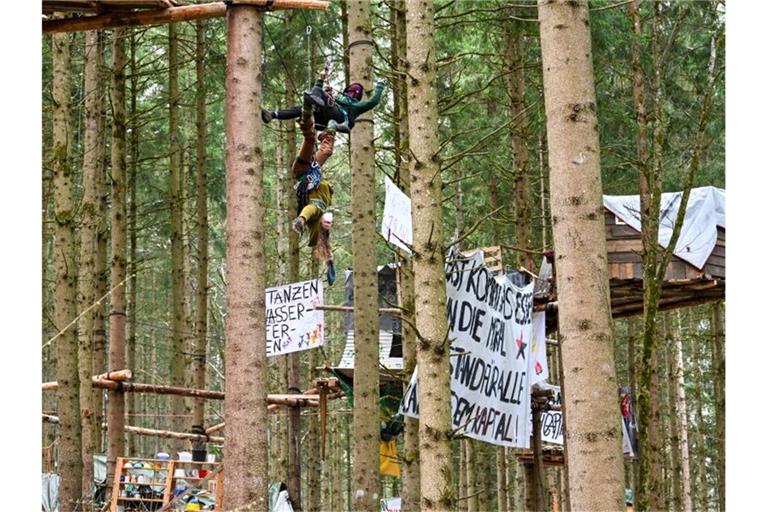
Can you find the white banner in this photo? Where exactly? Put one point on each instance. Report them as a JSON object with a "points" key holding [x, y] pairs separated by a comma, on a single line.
{"points": [[552, 421], [293, 323], [489, 323], [538, 369], [396, 220]]}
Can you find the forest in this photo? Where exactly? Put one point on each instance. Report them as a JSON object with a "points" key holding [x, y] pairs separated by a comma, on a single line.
{"points": [[479, 284]]}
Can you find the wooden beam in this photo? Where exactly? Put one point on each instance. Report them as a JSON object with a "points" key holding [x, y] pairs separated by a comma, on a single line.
{"points": [[134, 18], [117, 375], [215, 428], [152, 432], [287, 400], [164, 16], [173, 435], [350, 309], [121, 375]]}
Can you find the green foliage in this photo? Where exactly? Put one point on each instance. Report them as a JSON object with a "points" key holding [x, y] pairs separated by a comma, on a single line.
{"points": [[474, 129]]}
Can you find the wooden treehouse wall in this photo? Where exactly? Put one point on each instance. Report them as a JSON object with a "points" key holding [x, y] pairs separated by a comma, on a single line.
{"points": [[625, 261]]}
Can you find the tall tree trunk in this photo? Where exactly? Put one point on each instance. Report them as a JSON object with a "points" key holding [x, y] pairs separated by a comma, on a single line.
{"points": [[501, 479], [88, 249], [201, 186], [366, 292], [410, 493], [470, 448], [65, 273], [245, 406], [130, 399], [312, 462], [176, 206], [594, 458], [99, 327], [428, 262], [674, 468], [681, 409], [278, 426], [462, 504], [458, 199], [649, 491], [718, 365], [515, 78], [116, 399], [638, 94], [515, 52], [702, 484], [294, 362], [565, 484]]}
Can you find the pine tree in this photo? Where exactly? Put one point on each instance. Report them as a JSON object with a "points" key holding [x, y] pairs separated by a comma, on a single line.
{"points": [[245, 407], [88, 248], [201, 187], [410, 465], [176, 206], [117, 276], [366, 387], [65, 275], [428, 261], [594, 458]]}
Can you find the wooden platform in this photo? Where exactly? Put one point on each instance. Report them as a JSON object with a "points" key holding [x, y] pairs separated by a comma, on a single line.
{"points": [[684, 285], [550, 456], [104, 6]]}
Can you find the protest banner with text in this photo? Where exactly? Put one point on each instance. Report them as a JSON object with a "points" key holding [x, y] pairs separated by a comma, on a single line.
{"points": [[490, 327], [293, 323]]}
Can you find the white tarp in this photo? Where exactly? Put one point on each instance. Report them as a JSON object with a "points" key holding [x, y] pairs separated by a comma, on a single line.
{"points": [[50, 492], [490, 327], [293, 323], [538, 368], [396, 225], [705, 211], [391, 504], [385, 348]]}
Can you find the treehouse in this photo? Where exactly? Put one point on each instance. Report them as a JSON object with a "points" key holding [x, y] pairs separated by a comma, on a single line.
{"points": [[695, 274], [696, 270], [390, 341]]}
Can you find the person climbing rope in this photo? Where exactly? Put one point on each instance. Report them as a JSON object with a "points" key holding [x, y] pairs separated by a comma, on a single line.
{"points": [[338, 112], [314, 194]]}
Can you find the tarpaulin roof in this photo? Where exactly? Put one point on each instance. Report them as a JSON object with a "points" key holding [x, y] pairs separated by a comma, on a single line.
{"points": [[704, 213]]}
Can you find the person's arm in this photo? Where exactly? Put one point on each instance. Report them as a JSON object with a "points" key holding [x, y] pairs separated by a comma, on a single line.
{"points": [[362, 105]]}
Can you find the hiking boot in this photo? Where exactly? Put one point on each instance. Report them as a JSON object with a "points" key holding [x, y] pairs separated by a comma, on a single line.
{"points": [[298, 225], [332, 126], [266, 116], [314, 96]]}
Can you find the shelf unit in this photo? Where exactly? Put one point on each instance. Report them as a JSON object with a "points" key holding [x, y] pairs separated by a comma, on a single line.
{"points": [[163, 473]]}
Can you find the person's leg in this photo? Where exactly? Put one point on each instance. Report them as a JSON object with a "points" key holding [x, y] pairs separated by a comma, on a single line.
{"points": [[327, 139], [306, 217], [311, 213], [304, 159], [315, 97], [286, 113]]}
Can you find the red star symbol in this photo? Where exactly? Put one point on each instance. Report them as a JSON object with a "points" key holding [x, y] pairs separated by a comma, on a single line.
{"points": [[521, 346]]}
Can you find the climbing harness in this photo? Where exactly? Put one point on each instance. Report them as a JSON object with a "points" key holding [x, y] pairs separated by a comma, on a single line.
{"points": [[306, 182]]}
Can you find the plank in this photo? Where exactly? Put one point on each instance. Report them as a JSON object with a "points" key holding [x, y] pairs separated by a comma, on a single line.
{"points": [[628, 245]]}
